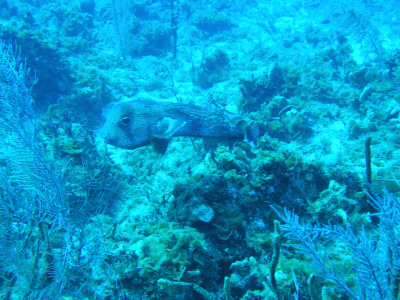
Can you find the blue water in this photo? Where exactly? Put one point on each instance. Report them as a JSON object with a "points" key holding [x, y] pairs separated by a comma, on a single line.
{"points": [[295, 196]]}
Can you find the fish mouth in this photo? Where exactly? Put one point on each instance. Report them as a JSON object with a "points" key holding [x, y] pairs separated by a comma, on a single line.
{"points": [[114, 142], [106, 138], [109, 141]]}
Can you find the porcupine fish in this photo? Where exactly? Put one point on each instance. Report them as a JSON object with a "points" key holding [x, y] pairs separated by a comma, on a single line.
{"points": [[133, 124]]}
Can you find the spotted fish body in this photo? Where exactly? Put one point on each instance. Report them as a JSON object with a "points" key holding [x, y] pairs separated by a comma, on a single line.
{"points": [[134, 124]]}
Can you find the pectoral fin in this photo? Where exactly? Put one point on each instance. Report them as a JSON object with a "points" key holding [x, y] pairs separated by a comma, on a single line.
{"points": [[167, 127], [163, 132]]}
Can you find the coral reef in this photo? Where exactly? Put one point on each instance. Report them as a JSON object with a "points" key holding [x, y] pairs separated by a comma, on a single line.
{"points": [[85, 220]]}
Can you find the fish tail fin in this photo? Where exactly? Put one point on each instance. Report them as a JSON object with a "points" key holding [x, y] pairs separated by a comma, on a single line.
{"points": [[251, 132]]}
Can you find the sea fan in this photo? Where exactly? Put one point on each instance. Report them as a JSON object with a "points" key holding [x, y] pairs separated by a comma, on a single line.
{"points": [[32, 200], [375, 255], [117, 24], [44, 211]]}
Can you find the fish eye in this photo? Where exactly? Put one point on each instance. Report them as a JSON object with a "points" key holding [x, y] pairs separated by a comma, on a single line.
{"points": [[125, 121]]}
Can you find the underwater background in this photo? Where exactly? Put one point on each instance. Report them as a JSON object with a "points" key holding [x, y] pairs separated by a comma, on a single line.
{"points": [[311, 211]]}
